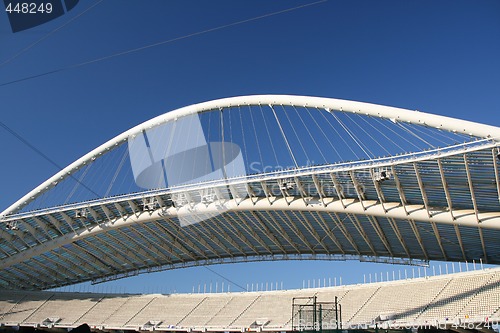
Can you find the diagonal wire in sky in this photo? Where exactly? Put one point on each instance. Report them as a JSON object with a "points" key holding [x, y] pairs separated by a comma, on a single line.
{"points": [[85, 63], [45, 157], [225, 278], [27, 48], [58, 166]]}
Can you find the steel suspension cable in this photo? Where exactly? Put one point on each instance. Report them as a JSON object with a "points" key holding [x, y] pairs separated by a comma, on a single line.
{"points": [[256, 137], [310, 135], [353, 137], [340, 136], [380, 132], [75, 187], [117, 172], [269, 135], [284, 136], [323, 132], [420, 129], [399, 135], [243, 134], [370, 136], [296, 135], [137, 49], [414, 134]]}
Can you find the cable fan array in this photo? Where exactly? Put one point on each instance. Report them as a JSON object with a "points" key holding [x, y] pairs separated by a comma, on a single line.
{"points": [[238, 142]]}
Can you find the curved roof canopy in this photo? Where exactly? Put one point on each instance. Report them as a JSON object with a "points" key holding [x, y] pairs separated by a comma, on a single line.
{"points": [[256, 178]]}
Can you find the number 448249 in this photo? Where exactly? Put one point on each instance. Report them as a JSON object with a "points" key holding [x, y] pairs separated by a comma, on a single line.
{"points": [[29, 8]]}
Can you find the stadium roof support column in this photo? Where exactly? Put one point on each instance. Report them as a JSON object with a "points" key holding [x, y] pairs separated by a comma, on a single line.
{"points": [[422, 189], [336, 219], [397, 232], [380, 233], [338, 188], [483, 245], [355, 221], [322, 223], [496, 152], [307, 224], [438, 238], [178, 240], [418, 237], [242, 222], [401, 193], [460, 242], [268, 232], [445, 187], [380, 194]]}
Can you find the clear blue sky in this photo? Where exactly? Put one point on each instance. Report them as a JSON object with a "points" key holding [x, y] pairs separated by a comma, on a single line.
{"points": [[441, 57]]}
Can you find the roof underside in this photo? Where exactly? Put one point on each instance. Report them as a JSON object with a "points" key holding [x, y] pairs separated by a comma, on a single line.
{"points": [[127, 235]]}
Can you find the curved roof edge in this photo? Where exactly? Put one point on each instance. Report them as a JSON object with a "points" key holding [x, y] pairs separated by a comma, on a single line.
{"points": [[393, 113]]}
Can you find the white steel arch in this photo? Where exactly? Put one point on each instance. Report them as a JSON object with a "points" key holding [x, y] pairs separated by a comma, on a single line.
{"points": [[396, 114], [437, 204]]}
